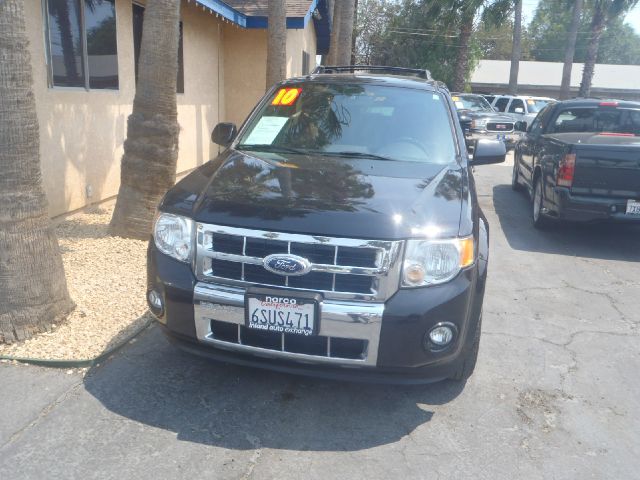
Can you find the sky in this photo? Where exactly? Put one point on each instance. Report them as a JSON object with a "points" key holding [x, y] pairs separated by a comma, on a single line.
{"points": [[633, 18]]}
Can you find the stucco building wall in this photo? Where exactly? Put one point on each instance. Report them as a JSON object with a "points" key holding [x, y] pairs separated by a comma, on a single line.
{"points": [[82, 132], [245, 72]]}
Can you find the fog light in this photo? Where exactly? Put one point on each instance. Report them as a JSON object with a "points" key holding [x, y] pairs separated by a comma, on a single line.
{"points": [[155, 303], [442, 334]]}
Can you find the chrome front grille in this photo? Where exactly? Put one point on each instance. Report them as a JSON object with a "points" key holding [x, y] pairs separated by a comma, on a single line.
{"points": [[500, 127], [341, 268]]}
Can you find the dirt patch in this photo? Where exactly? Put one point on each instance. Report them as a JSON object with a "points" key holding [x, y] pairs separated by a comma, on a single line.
{"points": [[106, 277], [538, 408]]}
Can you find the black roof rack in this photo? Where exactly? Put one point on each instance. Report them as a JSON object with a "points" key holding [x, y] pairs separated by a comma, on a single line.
{"points": [[415, 72]]}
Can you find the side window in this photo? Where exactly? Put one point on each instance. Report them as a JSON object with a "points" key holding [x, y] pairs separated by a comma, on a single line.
{"points": [[574, 120], [540, 122], [138, 17], [72, 25], [501, 104], [516, 103]]}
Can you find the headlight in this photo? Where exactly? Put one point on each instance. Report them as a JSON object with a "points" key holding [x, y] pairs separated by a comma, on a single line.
{"points": [[173, 235], [430, 262], [479, 124]]}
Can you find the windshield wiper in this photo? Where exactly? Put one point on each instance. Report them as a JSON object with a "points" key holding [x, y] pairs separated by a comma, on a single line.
{"points": [[259, 147], [358, 155]]}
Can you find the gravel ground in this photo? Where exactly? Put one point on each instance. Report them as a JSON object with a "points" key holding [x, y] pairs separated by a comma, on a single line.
{"points": [[106, 277]]}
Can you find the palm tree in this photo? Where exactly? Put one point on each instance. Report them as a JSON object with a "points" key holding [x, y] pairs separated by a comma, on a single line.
{"points": [[516, 50], [603, 12], [151, 149], [467, 16], [570, 49], [334, 8], [461, 15], [345, 32], [277, 42], [33, 290]]}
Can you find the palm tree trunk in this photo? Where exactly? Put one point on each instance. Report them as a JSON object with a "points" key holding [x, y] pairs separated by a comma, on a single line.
{"points": [[462, 62], [516, 50], [597, 26], [347, 17], [151, 150], [335, 33], [277, 42], [353, 37], [570, 51], [33, 289]]}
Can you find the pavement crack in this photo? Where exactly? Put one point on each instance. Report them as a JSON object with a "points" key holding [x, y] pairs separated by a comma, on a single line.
{"points": [[43, 414], [257, 453]]}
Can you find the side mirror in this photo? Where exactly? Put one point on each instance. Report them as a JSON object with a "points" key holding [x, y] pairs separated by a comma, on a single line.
{"points": [[519, 110], [223, 134], [520, 126], [488, 151]]}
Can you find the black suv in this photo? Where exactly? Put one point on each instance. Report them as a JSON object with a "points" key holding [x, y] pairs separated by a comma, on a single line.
{"points": [[337, 235]]}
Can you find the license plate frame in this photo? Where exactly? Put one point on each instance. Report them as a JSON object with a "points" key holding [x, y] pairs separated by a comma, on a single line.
{"points": [[633, 207], [274, 322]]}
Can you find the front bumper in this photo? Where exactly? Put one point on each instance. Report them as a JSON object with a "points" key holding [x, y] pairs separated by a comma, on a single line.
{"points": [[586, 208], [393, 331]]}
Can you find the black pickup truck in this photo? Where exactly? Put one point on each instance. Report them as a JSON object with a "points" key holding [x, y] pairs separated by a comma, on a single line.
{"points": [[338, 234], [580, 161]]}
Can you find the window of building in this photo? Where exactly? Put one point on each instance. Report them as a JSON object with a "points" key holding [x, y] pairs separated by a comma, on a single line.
{"points": [[138, 17], [83, 50], [516, 103], [306, 62]]}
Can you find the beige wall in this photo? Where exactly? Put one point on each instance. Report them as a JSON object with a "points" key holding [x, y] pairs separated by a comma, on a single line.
{"points": [[245, 72], [297, 42], [82, 133]]}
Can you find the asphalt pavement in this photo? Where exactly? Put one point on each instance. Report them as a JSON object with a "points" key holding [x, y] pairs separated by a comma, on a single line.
{"points": [[555, 394]]}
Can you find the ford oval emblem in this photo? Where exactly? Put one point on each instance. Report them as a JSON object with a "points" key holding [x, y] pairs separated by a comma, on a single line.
{"points": [[284, 264]]}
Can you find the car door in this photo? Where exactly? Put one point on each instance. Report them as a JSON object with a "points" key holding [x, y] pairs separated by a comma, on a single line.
{"points": [[529, 146]]}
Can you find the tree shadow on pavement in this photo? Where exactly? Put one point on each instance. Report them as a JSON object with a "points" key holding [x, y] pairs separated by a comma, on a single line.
{"points": [[606, 241], [233, 407]]}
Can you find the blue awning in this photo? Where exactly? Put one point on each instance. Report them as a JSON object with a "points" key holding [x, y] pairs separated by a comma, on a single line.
{"points": [[318, 11]]}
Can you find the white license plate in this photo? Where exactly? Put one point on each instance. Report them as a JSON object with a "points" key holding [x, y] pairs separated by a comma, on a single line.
{"points": [[281, 314], [633, 207]]}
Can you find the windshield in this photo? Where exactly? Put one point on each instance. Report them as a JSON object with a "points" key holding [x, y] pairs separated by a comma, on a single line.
{"points": [[353, 120], [536, 104], [472, 102], [624, 121]]}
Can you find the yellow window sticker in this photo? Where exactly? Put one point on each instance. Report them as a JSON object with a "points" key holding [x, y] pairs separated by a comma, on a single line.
{"points": [[286, 96]]}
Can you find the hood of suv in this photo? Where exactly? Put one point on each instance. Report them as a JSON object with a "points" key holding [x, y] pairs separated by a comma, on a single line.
{"points": [[322, 195]]}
